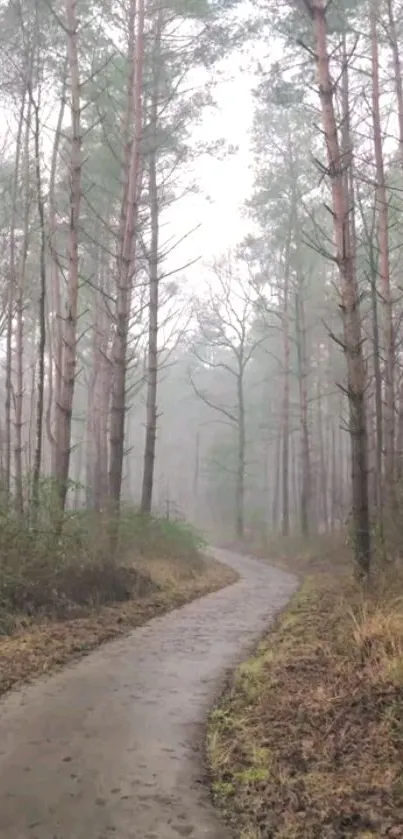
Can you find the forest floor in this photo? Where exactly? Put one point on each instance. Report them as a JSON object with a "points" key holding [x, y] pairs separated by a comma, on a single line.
{"points": [[307, 740], [39, 645], [114, 745]]}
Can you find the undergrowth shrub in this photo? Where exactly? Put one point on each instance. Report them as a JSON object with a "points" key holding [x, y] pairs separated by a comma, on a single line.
{"points": [[48, 571]]}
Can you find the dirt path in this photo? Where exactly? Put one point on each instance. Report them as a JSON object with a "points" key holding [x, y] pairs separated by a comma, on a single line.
{"points": [[111, 746]]}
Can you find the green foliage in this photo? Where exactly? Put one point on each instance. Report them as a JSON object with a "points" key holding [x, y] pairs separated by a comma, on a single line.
{"points": [[152, 537], [47, 572]]}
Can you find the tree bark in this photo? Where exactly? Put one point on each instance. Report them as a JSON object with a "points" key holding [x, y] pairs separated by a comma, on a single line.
{"points": [[11, 302], [41, 313], [153, 262], [383, 239], [240, 472], [303, 401], [56, 332], [64, 407], [126, 269], [19, 337], [398, 72], [350, 303], [286, 399]]}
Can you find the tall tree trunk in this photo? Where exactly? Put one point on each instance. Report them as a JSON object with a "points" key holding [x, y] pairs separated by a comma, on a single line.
{"points": [[240, 473], [323, 478], [334, 494], [126, 268], [303, 401], [286, 400], [394, 42], [56, 331], [345, 255], [276, 488], [378, 383], [41, 311], [383, 239], [19, 337], [153, 262], [64, 407], [11, 300]]}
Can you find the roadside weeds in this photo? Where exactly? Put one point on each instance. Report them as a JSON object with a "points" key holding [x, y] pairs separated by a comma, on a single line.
{"points": [[37, 647], [307, 740]]}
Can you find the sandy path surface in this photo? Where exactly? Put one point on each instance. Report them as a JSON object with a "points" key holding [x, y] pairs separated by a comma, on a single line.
{"points": [[112, 746]]}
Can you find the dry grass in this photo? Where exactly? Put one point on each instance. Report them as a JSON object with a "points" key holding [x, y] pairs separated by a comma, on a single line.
{"points": [[37, 647], [314, 554], [307, 742]]}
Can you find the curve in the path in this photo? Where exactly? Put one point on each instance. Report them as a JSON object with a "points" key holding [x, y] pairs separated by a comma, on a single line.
{"points": [[111, 746]]}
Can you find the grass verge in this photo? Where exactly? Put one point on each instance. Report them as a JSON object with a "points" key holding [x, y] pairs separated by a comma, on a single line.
{"points": [[307, 741], [62, 595], [37, 647]]}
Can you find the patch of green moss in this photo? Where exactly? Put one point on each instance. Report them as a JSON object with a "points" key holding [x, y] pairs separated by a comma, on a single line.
{"points": [[223, 789], [252, 775]]}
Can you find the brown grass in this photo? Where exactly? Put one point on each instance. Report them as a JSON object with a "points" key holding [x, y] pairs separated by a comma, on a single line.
{"points": [[307, 742], [314, 554], [37, 647]]}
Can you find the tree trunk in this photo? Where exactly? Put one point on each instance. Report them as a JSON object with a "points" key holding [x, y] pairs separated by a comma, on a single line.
{"points": [[64, 407], [240, 473], [11, 302], [286, 402], [19, 338], [323, 479], [153, 262], [303, 401], [350, 302], [276, 488], [378, 384], [383, 239], [126, 269], [41, 313], [398, 72], [56, 332]]}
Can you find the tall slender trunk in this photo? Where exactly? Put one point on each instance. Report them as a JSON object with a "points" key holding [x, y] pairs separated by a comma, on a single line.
{"points": [[240, 472], [41, 312], [153, 261], [126, 269], [11, 301], [323, 477], [64, 407], [286, 400], [276, 488], [32, 391], [345, 255], [383, 240], [334, 494], [399, 444], [373, 268], [19, 337], [296, 480], [56, 331], [394, 42], [303, 402]]}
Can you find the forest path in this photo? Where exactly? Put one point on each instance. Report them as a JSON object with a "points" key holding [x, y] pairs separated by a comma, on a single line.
{"points": [[112, 746]]}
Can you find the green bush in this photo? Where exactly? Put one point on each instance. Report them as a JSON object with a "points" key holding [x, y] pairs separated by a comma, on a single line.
{"points": [[150, 537], [51, 571]]}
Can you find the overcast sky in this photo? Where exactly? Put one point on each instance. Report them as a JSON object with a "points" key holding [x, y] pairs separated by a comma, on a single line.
{"points": [[224, 183]]}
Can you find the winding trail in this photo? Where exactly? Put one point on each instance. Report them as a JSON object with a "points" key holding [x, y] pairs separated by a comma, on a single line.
{"points": [[112, 746]]}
